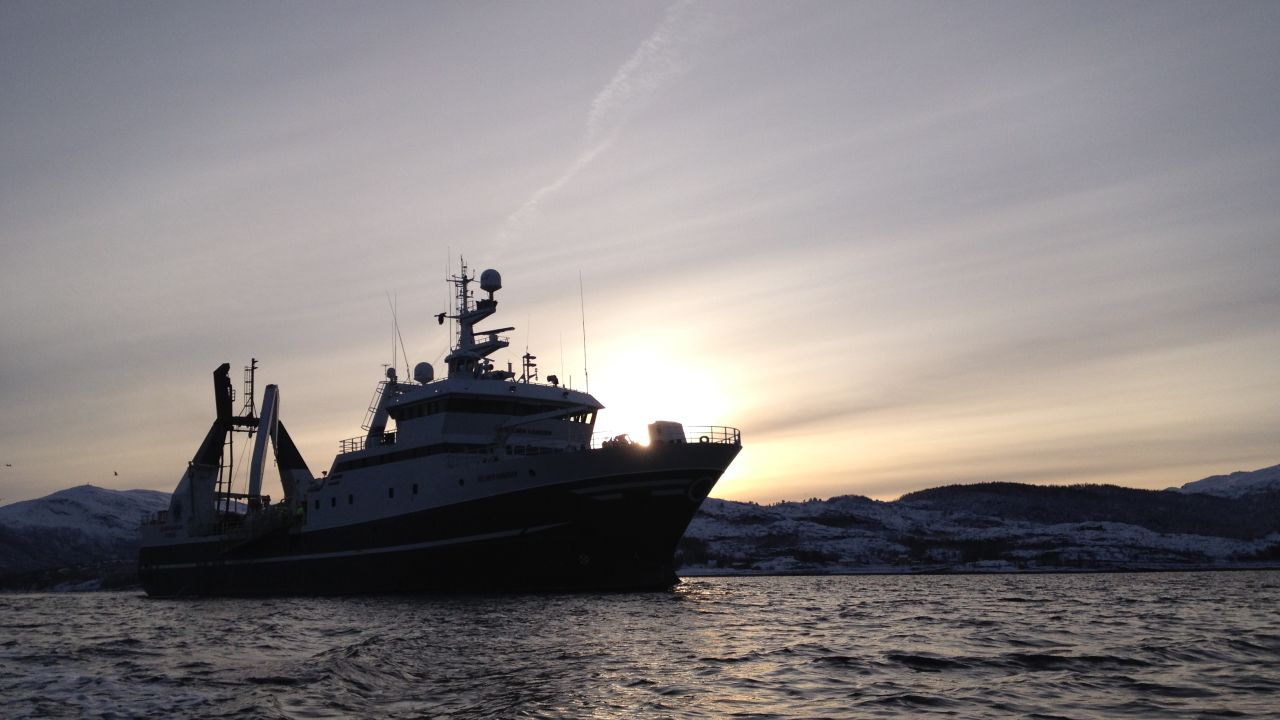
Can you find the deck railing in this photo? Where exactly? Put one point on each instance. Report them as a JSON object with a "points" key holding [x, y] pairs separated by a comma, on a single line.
{"points": [[699, 434], [360, 442], [716, 434]]}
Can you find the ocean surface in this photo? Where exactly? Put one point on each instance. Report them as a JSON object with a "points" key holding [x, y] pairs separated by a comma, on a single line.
{"points": [[1166, 645]]}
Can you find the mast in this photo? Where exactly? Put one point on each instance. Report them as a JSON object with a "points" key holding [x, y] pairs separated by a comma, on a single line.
{"points": [[469, 356]]}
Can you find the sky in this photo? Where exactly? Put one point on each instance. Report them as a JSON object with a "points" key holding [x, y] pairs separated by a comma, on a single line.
{"points": [[898, 244]]}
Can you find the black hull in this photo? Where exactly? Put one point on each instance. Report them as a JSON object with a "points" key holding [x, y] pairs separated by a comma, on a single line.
{"points": [[612, 534]]}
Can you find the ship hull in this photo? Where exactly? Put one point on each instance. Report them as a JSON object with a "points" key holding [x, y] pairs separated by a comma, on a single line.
{"points": [[610, 532]]}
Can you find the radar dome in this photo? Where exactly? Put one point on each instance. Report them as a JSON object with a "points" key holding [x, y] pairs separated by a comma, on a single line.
{"points": [[424, 373], [490, 281]]}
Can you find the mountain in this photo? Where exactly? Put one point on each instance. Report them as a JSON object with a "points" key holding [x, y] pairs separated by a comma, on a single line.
{"points": [[1237, 484], [82, 534], [988, 527]]}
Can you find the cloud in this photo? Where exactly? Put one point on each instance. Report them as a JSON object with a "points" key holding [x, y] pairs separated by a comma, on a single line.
{"points": [[658, 61]]}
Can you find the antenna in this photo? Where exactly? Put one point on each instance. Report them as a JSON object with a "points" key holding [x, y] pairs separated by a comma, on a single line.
{"points": [[582, 307], [448, 295], [403, 353], [393, 332], [395, 321]]}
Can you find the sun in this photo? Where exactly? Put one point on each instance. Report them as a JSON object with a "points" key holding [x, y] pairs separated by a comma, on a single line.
{"points": [[638, 385]]}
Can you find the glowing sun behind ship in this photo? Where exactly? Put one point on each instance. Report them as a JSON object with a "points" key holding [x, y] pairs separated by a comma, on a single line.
{"points": [[644, 380]]}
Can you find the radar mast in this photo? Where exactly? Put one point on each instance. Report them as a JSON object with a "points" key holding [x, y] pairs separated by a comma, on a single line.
{"points": [[470, 356]]}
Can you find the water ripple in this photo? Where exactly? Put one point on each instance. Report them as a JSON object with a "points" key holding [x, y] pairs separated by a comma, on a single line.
{"points": [[1044, 646]]}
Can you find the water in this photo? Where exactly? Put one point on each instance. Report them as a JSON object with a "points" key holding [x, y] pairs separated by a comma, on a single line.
{"points": [[1073, 646]]}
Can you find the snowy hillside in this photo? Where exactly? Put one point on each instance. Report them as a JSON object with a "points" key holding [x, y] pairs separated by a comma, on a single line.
{"points": [[90, 509], [80, 526], [997, 526], [1237, 484]]}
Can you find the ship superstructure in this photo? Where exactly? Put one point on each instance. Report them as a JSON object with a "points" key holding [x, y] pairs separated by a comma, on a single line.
{"points": [[484, 479]]}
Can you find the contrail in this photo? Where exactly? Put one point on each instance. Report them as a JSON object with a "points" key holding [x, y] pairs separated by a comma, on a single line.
{"points": [[655, 63]]}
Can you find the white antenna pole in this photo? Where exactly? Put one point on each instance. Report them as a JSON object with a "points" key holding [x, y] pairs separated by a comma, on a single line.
{"points": [[582, 307]]}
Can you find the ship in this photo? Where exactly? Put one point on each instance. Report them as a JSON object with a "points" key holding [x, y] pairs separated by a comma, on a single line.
{"points": [[483, 480]]}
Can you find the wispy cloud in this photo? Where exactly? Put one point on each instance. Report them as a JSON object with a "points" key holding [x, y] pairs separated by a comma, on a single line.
{"points": [[661, 58]]}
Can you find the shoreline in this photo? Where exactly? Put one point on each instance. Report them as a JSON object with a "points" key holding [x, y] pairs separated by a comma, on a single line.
{"points": [[92, 585], [951, 570]]}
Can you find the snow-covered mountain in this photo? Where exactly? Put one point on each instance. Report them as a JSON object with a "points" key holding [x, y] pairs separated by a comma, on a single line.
{"points": [[991, 526], [1237, 484], [88, 508], [82, 526]]}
